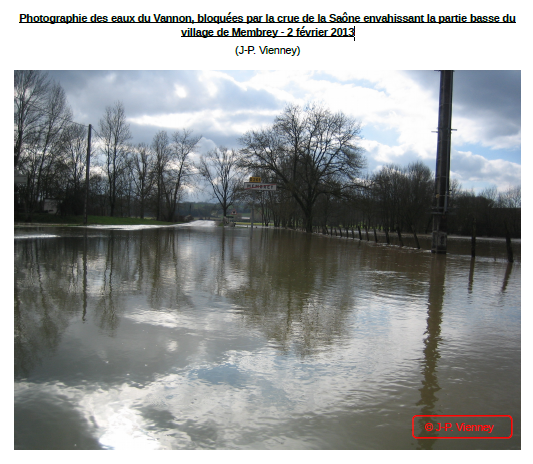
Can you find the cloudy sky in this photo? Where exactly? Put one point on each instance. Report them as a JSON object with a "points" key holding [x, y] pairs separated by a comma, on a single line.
{"points": [[398, 111]]}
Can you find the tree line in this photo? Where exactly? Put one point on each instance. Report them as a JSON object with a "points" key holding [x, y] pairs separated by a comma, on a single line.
{"points": [[125, 179], [312, 154]]}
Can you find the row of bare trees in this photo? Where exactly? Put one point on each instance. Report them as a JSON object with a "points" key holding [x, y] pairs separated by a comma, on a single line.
{"points": [[312, 154], [51, 151], [160, 172], [314, 157], [490, 212], [392, 198], [399, 199]]}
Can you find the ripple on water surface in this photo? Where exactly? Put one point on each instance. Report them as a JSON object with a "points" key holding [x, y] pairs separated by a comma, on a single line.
{"points": [[190, 338]]}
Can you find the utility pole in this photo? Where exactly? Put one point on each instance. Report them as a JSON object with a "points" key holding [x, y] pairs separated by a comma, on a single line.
{"points": [[442, 172], [87, 167]]}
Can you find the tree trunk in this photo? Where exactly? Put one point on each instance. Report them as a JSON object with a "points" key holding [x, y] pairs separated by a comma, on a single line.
{"points": [[473, 245], [309, 222], [416, 239], [399, 236], [508, 243]]}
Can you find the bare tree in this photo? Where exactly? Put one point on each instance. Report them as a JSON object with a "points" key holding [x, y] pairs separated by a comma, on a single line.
{"points": [[162, 155], [42, 156], [115, 132], [401, 196], [143, 174], [31, 91], [179, 169], [511, 198], [310, 152], [419, 194], [73, 164], [509, 204], [219, 167]]}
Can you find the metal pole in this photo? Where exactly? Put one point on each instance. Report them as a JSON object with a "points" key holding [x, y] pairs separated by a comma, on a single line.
{"points": [[442, 172], [252, 216], [87, 167]]}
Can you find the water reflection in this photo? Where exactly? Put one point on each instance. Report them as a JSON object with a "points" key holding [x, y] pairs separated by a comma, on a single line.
{"points": [[188, 339], [84, 314], [508, 270], [294, 301], [471, 275], [42, 310]]}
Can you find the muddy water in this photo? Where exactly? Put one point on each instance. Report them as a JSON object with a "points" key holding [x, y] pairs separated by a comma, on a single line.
{"points": [[200, 338]]}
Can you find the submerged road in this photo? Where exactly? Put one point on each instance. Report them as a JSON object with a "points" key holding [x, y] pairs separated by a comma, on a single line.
{"points": [[198, 224]]}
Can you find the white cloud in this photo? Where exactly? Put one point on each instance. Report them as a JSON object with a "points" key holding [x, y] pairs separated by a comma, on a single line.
{"points": [[469, 167], [476, 131], [180, 91], [217, 120], [398, 110], [382, 153]]}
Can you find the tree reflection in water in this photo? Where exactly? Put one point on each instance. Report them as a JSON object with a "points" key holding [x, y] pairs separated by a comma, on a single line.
{"points": [[187, 337]]}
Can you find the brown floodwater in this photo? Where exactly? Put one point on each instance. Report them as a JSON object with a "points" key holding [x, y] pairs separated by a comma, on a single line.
{"points": [[202, 338]]}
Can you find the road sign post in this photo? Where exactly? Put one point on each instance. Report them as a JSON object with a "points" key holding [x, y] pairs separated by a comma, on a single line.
{"points": [[252, 217], [256, 184]]}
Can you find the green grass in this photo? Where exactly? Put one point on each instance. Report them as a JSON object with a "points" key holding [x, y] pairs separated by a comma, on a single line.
{"points": [[92, 220]]}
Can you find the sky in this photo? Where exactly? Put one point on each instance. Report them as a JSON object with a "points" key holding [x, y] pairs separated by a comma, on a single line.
{"points": [[398, 110]]}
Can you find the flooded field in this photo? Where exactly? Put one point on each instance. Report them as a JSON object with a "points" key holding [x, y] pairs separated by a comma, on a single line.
{"points": [[202, 338]]}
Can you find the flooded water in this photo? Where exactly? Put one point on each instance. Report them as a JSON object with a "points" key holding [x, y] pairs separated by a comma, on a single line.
{"points": [[202, 338]]}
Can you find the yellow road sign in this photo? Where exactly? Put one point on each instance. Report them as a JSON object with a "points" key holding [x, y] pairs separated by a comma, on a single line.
{"points": [[255, 179]]}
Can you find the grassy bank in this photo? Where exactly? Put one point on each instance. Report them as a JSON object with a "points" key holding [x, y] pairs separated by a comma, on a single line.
{"points": [[52, 219]]}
